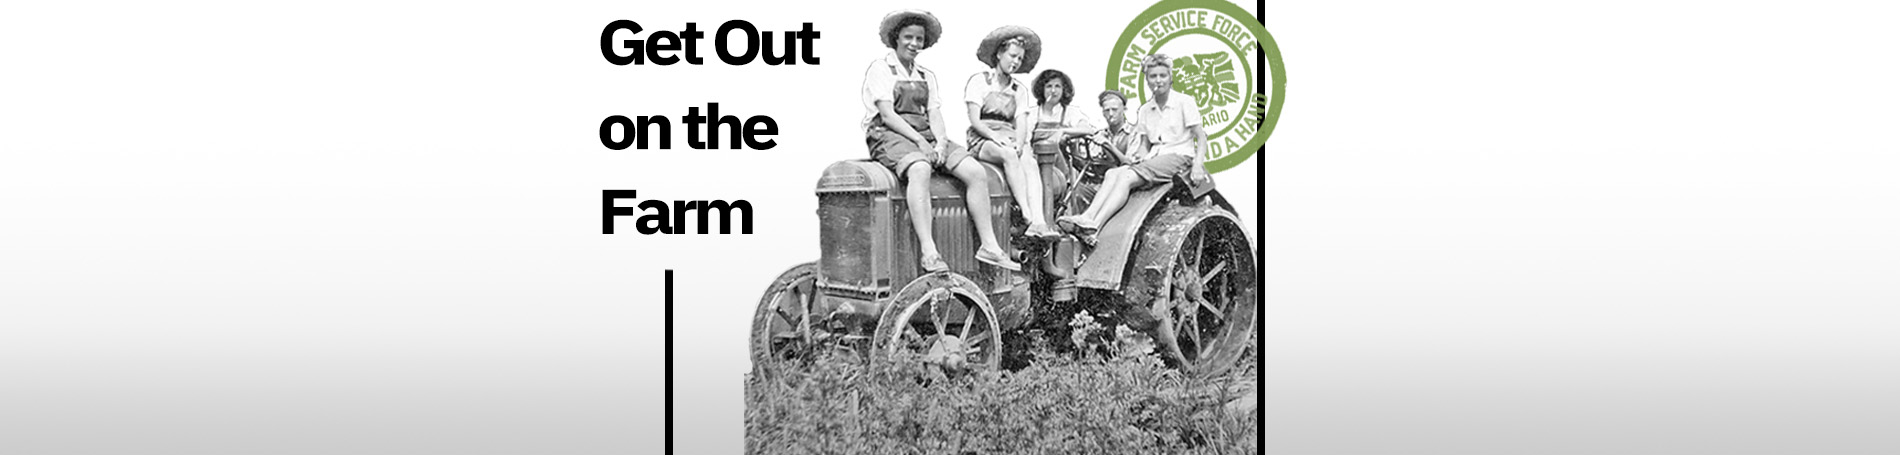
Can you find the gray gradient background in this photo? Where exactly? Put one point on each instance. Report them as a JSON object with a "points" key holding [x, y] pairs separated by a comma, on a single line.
{"points": [[1491, 227]]}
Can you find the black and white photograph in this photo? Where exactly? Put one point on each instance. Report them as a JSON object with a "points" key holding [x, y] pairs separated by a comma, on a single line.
{"points": [[1055, 286]]}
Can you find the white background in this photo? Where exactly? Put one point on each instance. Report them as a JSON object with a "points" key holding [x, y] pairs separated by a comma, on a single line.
{"points": [[1492, 227]]}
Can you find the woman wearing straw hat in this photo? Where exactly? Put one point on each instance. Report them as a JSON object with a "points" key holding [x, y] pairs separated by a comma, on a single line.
{"points": [[997, 105], [904, 128]]}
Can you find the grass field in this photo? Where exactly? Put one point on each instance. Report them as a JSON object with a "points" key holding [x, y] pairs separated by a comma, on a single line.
{"points": [[1058, 404]]}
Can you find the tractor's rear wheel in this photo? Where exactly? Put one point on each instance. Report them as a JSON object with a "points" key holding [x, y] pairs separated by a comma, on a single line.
{"points": [[1201, 287]]}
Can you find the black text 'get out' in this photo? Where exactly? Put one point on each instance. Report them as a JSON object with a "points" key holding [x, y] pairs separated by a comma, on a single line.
{"points": [[737, 42]]}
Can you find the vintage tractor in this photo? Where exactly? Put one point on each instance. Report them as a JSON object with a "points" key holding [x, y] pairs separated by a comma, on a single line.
{"points": [[1173, 262]]}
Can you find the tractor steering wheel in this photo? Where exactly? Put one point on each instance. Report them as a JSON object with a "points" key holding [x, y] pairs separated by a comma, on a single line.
{"points": [[1089, 157]]}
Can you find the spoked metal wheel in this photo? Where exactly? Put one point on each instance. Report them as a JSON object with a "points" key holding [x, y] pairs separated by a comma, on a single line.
{"points": [[1202, 278], [783, 326], [945, 319]]}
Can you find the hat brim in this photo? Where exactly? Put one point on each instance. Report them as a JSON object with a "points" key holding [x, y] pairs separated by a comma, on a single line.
{"points": [[933, 28], [1032, 46]]}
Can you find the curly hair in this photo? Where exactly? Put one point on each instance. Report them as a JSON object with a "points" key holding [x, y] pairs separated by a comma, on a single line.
{"points": [[906, 22], [1068, 87]]}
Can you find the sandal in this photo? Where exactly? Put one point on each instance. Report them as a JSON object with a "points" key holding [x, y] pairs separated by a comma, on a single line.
{"points": [[934, 263], [998, 259]]}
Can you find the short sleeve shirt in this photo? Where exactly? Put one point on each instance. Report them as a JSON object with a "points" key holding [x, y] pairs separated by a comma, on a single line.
{"points": [[982, 84], [1071, 117], [880, 84], [1123, 138], [1167, 126]]}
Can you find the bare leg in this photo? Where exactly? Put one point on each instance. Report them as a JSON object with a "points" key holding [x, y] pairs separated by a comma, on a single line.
{"points": [[1053, 181], [1114, 193], [1109, 180], [1013, 172], [976, 193], [917, 193], [1032, 190]]}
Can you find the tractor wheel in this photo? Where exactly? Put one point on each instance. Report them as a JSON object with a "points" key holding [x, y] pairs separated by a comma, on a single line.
{"points": [[1200, 284], [783, 327], [945, 319]]}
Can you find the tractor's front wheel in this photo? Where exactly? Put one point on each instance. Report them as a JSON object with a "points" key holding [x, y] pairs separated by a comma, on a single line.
{"points": [[946, 320]]}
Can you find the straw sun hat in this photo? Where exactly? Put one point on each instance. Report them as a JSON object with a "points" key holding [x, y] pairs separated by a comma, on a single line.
{"points": [[1032, 46], [887, 30]]}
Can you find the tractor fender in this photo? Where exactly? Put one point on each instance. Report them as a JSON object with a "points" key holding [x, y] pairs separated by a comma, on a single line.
{"points": [[1111, 263]]}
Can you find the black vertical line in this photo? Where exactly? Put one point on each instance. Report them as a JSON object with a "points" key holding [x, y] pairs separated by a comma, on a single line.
{"points": [[669, 361], [1260, 231]]}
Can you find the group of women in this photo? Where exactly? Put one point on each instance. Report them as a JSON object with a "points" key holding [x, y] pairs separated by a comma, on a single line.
{"points": [[1016, 127]]}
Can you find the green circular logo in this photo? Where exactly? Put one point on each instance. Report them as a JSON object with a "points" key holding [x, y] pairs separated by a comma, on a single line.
{"points": [[1212, 44]]}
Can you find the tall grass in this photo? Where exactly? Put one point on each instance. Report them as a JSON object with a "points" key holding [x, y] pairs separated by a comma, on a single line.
{"points": [[1059, 404]]}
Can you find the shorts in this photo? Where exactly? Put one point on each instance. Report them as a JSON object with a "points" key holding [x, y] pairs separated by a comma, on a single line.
{"points": [[1161, 168], [999, 127], [898, 153]]}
